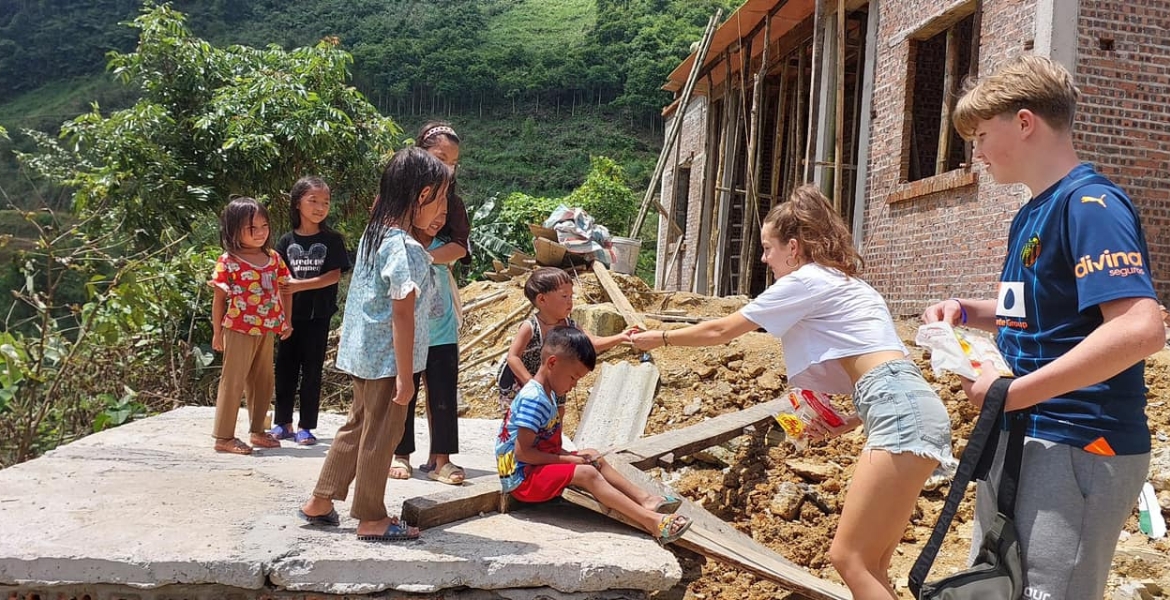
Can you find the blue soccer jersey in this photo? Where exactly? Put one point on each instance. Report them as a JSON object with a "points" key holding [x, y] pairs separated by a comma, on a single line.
{"points": [[1076, 245]]}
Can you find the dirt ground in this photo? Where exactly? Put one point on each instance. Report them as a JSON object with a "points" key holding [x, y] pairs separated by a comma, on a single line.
{"points": [[698, 383]]}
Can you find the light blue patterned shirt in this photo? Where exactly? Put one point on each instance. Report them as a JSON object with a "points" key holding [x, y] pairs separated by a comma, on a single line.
{"points": [[400, 266]]}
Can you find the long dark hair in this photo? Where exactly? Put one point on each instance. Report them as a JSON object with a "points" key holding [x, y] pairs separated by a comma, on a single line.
{"points": [[303, 186], [237, 215], [428, 136], [409, 172], [808, 218]]}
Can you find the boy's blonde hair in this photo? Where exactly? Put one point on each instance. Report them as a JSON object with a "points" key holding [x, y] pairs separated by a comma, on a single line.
{"points": [[1038, 84]]}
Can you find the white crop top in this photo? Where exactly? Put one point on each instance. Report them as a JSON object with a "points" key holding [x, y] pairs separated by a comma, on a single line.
{"points": [[820, 315]]}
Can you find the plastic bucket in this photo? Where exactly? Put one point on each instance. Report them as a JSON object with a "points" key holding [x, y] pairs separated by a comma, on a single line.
{"points": [[626, 255]]}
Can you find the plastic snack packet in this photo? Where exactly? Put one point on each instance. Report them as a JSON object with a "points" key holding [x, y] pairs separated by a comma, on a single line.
{"points": [[960, 351], [805, 408]]}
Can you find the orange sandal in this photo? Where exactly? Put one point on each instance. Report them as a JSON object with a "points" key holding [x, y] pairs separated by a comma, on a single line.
{"points": [[264, 440], [232, 446]]}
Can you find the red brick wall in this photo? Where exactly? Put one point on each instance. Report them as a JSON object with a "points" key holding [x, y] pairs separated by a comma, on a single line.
{"points": [[692, 138], [1123, 123], [950, 242]]}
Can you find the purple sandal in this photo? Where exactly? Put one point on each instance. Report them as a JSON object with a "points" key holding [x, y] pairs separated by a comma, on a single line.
{"points": [[305, 437], [282, 432]]}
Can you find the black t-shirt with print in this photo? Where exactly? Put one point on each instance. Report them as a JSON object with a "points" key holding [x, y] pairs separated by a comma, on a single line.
{"points": [[310, 256]]}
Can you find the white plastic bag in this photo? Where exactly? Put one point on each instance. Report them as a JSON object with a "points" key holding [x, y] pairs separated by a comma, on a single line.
{"points": [[959, 350]]}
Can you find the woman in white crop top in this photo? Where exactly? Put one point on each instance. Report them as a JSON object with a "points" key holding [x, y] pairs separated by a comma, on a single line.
{"points": [[839, 338]]}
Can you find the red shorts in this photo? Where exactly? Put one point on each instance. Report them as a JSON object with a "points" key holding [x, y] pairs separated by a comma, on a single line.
{"points": [[544, 482]]}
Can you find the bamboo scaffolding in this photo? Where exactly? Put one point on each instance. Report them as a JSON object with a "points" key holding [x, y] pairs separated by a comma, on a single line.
{"points": [[675, 127], [814, 89], [949, 76], [751, 216], [839, 121]]}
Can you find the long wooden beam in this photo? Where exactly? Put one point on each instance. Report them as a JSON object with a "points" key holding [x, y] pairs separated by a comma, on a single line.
{"points": [[643, 453]]}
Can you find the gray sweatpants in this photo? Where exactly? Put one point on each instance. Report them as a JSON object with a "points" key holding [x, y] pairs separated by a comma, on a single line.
{"points": [[1070, 508]]}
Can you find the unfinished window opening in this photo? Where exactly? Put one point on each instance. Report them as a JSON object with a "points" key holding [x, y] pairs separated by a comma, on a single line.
{"points": [[939, 60], [682, 197]]}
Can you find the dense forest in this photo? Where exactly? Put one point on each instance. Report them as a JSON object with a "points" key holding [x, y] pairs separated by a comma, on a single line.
{"points": [[590, 67], [125, 127]]}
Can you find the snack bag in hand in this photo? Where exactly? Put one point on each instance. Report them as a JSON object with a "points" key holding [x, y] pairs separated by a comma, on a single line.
{"points": [[808, 412], [961, 351]]}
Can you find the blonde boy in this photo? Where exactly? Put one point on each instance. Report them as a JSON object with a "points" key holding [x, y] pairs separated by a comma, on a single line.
{"points": [[1075, 317]]}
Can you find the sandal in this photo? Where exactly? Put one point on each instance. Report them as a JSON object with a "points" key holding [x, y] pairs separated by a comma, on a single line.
{"points": [[671, 528], [669, 505], [233, 446], [396, 531], [426, 467], [403, 466], [330, 519], [264, 440], [449, 473], [282, 432], [305, 437]]}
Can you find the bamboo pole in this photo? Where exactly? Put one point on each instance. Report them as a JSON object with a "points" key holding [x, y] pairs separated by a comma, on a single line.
{"points": [[814, 89], [675, 127], [839, 125], [715, 249], [779, 138], [949, 76], [498, 326], [751, 218]]}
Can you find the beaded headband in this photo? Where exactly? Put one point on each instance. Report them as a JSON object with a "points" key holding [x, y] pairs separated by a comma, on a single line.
{"points": [[437, 130]]}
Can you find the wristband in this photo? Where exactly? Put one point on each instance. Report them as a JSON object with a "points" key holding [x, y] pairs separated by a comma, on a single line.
{"points": [[664, 343], [962, 311]]}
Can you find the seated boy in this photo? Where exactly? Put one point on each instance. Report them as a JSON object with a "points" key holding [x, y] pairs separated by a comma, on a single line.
{"points": [[534, 467]]}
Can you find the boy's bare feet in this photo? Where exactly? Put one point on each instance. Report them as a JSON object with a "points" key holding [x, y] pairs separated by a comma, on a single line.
{"points": [[317, 507], [232, 446]]}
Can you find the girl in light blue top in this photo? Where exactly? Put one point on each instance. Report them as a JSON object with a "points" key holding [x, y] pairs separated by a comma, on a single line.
{"points": [[384, 340]]}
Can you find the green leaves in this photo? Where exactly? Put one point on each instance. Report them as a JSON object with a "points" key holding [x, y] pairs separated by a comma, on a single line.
{"points": [[213, 123]]}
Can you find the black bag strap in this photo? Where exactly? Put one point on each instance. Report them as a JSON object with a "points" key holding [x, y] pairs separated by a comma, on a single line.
{"points": [[1009, 480], [986, 429]]}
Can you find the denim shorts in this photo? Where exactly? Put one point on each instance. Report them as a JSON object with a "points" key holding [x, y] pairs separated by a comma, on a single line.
{"points": [[901, 413]]}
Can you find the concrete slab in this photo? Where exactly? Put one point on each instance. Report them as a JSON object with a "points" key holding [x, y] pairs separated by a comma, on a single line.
{"points": [[619, 405], [150, 504]]}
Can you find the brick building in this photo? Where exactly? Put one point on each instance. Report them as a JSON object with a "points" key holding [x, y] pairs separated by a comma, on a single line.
{"points": [[766, 116]]}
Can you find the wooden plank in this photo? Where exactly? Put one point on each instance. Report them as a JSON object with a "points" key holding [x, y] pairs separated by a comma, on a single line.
{"points": [[715, 539], [644, 453], [498, 266], [951, 65], [616, 296], [496, 277], [454, 503], [515, 271]]}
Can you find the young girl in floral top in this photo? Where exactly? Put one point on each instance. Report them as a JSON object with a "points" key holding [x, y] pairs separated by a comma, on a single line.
{"points": [[248, 307]]}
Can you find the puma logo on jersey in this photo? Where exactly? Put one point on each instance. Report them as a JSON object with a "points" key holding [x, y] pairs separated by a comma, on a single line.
{"points": [[1092, 200]]}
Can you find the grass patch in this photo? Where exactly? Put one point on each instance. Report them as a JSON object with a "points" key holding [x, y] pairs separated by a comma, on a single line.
{"points": [[542, 24]]}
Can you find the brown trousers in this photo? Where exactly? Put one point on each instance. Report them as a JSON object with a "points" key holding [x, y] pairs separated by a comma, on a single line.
{"points": [[248, 371], [363, 448]]}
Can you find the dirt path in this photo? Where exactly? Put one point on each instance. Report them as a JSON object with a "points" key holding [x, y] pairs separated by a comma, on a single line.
{"points": [[739, 482]]}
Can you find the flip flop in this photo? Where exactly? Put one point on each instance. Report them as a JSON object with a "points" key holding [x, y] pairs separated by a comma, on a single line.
{"points": [[398, 463], [330, 519], [669, 505], [446, 474], [671, 528], [282, 432], [426, 467], [396, 531], [237, 447]]}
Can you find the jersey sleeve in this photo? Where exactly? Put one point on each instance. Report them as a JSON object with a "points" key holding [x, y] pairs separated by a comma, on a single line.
{"points": [[1106, 247], [780, 306], [531, 410]]}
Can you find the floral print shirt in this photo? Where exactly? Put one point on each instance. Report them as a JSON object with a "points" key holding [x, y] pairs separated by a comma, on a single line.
{"points": [[253, 293], [399, 267]]}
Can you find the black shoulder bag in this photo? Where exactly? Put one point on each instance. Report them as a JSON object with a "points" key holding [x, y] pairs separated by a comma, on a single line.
{"points": [[998, 571]]}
